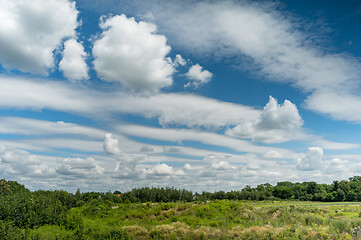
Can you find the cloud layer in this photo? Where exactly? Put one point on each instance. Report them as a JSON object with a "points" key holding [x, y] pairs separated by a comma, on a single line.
{"points": [[277, 123]]}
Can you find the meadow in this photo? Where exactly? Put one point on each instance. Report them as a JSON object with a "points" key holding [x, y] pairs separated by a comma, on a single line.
{"points": [[158, 213], [216, 219]]}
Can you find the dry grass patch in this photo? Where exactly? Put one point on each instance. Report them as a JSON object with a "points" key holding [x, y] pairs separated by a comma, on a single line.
{"points": [[202, 233], [136, 230], [276, 214], [181, 229], [255, 232], [165, 229]]}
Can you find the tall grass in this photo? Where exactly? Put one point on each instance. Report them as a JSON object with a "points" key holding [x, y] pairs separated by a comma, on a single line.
{"points": [[220, 219]]}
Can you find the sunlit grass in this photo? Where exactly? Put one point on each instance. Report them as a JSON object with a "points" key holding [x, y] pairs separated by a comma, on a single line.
{"points": [[219, 219]]}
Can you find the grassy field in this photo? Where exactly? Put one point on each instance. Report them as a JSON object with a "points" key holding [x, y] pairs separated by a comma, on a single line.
{"points": [[209, 220]]}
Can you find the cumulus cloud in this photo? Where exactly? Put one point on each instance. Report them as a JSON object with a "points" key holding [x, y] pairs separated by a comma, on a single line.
{"points": [[180, 173], [187, 166], [339, 166], [311, 160], [132, 53], [111, 145], [179, 60], [273, 155], [73, 64], [253, 166], [79, 167], [22, 163], [31, 30], [277, 123], [17, 157], [161, 170], [222, 165], [197, 76], [126, 163], [131, 165], [275, 116], [127, 166]]}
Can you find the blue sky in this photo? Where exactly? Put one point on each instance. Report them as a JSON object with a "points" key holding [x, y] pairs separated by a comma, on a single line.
{"points": [[203, 95]]}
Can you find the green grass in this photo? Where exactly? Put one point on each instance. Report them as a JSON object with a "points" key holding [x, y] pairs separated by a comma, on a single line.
{"points": [[208, 220]]}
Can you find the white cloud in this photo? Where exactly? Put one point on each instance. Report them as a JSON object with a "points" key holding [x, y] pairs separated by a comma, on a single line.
{"points": [[180, 173], [273, 155], [58, 143], [325, 144], [79, 167], [191, 110], [311, 160], [176, 135], [187, 166], [22, 163], [131, 53], [339, 104], [272, 40], [35, 127], [275, 116], [253, 166], [146, 149], [111, 145], [172, 108], [31, 30], [171, 149], [222, 165], [179, 60], [338, 166], [197, 76], [80, 163], [277, 123], [127, 166], [161, 169], [73, 63], [126, 163]]}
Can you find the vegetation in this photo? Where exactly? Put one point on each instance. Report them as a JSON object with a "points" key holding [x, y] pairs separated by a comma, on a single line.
{"points": [[312, 211]]}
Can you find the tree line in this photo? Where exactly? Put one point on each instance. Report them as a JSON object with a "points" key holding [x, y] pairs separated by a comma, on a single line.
{"points": [[337, 191]]}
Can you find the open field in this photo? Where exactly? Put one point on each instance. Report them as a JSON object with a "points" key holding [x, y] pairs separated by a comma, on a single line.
{"points": [[219, 219], [158, 213]]}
